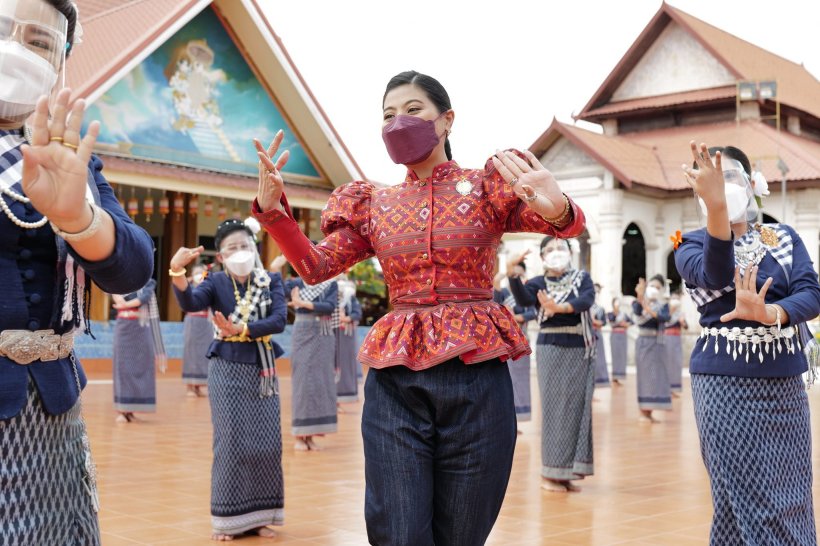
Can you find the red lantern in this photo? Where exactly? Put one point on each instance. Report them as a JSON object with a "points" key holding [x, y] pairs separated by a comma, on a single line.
{"points": [[179, 205], [163, 206], [222, 212], [133, 207], [148, 207], [209, 208], [193, 205]]}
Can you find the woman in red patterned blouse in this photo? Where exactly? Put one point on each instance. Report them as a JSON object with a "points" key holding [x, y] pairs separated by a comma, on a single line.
{"points": [[439, 420]]}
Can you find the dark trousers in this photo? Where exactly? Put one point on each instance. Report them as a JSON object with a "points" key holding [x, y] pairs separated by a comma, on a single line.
{"points": [[438, 448]]}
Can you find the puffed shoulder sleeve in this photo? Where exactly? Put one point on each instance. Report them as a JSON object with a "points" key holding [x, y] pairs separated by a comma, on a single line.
{"points": [[514, 214], [348, 210]]}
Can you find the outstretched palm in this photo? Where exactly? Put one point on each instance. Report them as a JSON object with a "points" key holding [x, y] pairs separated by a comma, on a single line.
{"points": [[55, 165], [749, 303]]}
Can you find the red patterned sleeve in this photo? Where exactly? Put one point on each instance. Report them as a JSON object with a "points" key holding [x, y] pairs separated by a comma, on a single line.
{"points": [[345, 223], [517, 216]]}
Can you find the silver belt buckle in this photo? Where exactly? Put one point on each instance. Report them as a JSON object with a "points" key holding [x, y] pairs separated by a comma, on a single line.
{"points": [[24, 346]]}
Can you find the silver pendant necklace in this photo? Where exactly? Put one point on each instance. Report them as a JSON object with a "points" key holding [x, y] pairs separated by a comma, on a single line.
{"points": [[749, 250]]}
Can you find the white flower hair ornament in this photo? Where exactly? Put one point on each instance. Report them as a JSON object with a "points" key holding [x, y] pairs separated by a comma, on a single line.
{"points": [[760, 188], [253, 225]]}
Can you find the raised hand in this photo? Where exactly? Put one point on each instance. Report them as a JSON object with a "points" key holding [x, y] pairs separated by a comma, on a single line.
{"points": [[55, 164], [547, 302], [295, 298], [227, 328], [640, 288], [749, 303], [185, 256], [278, 263], [515, 261], [271, 183], [707, 179], [529, 179], [119, 302]]}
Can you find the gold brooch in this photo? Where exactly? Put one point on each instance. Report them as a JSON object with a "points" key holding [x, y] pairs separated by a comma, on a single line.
{"points": [[767, 235]]}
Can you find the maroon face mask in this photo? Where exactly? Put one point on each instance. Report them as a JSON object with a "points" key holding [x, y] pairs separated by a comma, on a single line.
{"points": [[409, 139]]}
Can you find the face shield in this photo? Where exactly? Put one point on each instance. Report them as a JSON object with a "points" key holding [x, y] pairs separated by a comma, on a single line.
{"points": [[740, 203], [32, 55]]}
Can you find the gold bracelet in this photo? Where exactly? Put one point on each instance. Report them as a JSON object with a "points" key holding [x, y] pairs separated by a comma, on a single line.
{"points": [[180, 273], [564, 213]]}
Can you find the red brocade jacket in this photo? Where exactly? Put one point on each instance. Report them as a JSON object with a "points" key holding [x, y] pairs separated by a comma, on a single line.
{"points": [[437, 247]]}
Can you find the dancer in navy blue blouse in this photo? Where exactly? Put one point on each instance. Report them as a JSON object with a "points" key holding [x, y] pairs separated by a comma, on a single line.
{"points": [[247, 484], [60, 228], [755, 288]]}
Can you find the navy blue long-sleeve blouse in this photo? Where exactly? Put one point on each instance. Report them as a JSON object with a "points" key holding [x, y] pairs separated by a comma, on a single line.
{"points": [[323, 305], [354, 309], [706, 262], [217, 292], [654, 323], [526, 295], [28, 275]]}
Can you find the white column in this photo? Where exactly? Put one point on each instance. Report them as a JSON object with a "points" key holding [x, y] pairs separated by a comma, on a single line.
{"points": [[653, 242], [607, 252]]}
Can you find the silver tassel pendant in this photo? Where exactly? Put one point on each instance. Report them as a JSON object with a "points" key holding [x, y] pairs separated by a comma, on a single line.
{"points": [[90, 474]]}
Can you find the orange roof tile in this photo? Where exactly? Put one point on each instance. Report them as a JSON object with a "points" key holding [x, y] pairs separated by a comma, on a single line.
{"points": [[207, 178], [699, 96], [653, 159], [796, 86], [113, 32]]}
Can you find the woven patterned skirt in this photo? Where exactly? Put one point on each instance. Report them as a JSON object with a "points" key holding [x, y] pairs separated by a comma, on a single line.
{"points": [[653, 381], [198, 334], [618, 352], [674, 362], [601, 371], [520, 375], [755, 438], [566, 381], [347, 388], [135, 380], [43, 500], [247, 486], [313, 380]]}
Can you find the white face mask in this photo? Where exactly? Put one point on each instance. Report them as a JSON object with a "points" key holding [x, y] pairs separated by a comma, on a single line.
{"points": [[26, 77], [241, 263], [557, 260], [737, 201], [652, 293]]}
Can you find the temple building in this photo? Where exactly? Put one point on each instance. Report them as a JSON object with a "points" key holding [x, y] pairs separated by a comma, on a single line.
{"points": [[181, 88], [682, 79]]}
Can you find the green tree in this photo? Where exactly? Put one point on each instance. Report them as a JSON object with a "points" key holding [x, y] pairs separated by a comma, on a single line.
{"points": [[368, 279]]}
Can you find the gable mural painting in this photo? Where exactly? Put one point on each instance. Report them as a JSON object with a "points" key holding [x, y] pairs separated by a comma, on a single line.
{"points": [[194, 102]]}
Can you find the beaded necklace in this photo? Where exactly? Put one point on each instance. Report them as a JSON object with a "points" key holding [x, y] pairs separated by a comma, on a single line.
{"points": [[243, 303], [5, 188]]}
